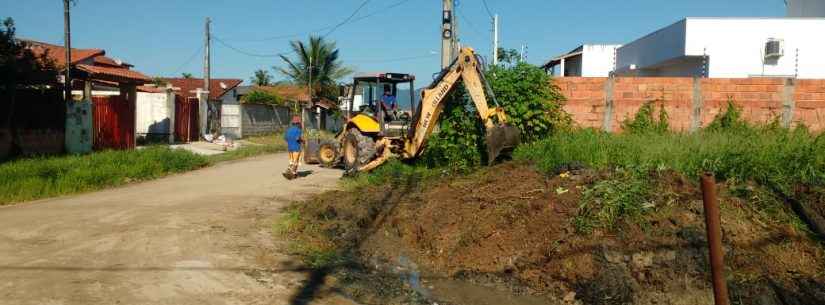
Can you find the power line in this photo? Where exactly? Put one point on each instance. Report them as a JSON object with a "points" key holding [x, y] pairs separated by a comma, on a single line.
{"points": [[382, 10], [248, 53], [189, 60], [394, 59], [472, 26], [487, 8], [363, 4]]}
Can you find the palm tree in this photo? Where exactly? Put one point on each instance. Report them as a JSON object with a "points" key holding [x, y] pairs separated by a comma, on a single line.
{"points": [[322, 56], [186, 75], [261, 78]]}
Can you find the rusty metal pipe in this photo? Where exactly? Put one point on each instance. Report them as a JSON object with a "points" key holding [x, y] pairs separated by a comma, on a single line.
{"points": [[714, 229]]}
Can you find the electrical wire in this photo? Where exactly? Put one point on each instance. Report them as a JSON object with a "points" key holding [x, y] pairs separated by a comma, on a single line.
{"points": [[248, 53], [363, 4], [379, 11], [189, 60], [487, 8], [393, 59]]}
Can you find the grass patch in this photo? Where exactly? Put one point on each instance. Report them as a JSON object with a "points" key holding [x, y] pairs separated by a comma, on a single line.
{"points": [[625, 195], [36, 178], [44, 177], [776, 158]]}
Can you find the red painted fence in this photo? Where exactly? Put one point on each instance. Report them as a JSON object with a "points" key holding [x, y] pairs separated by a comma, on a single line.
{"points": [[186, 119], [113, 123]]}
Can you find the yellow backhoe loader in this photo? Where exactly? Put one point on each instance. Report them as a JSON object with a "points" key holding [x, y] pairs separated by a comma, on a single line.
{"points": [[373, 136]]}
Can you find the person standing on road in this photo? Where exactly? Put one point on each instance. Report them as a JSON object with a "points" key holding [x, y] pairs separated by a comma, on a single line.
{"points": [[293, 138]]}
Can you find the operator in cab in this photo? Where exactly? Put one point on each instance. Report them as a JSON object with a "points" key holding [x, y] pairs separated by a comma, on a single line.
{"points": [[389, 103]]}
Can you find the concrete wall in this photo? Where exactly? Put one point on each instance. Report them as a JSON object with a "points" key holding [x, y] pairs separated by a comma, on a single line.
{"points": [[736, 45], [155, 115], [231, 115], [806, 8], [665, 44], [692, 103], [263, 119], [734, 48], [598, 60]]}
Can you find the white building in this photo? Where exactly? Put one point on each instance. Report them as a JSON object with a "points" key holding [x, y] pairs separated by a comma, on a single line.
{"points": [[589, 60], [806, 8], [729, 48]]}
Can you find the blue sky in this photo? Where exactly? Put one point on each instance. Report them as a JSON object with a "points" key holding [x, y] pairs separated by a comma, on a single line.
{"points": [[159, 36]]}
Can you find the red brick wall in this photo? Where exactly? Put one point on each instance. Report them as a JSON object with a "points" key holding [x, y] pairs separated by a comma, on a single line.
{"points": [[761, 99]]}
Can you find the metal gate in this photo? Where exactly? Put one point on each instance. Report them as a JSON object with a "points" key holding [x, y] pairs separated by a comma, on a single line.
{"points": [[186, 119], [113, 123]]}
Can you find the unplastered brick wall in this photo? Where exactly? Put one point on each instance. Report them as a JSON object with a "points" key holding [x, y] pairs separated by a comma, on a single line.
{"points": [[692, 103]]}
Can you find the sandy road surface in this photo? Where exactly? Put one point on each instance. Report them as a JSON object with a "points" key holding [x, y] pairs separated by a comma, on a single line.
{"points": [[203, 237]]}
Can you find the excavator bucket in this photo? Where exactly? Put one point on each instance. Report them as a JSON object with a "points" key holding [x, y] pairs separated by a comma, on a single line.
{"points": [[501, 139]]}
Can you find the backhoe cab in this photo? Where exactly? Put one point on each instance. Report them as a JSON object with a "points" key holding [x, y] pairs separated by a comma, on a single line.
{"points": [[371, 136]]}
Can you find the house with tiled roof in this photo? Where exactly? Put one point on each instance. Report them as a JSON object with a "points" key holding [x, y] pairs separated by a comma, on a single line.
{"points": [[216, 114], [264, 119]]}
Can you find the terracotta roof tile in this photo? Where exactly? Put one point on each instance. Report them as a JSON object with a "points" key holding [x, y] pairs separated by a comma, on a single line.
{"points": [[58, 53], [189, 85], [115, 74]]}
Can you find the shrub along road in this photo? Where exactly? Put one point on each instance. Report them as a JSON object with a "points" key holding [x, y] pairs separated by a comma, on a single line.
{"points": [[203, 237]]}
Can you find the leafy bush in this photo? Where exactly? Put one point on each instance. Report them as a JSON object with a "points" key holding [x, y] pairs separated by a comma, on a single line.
{"points": [[624, 195], [262, 97], [644, 121], [530, 100], [731, 119]]}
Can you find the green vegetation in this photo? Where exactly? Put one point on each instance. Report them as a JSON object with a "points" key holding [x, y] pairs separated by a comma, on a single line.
{"points": [[531, 101], [317, 57], [262, 97], [36, 178], [645, 122], [43, 177], [777, 160], [261, 78]]}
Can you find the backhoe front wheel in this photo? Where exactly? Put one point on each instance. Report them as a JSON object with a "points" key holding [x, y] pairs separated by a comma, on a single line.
{"points": [[358, 149]]}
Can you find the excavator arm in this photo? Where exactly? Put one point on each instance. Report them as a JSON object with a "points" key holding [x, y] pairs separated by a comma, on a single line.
{"points": [[466, 68]]}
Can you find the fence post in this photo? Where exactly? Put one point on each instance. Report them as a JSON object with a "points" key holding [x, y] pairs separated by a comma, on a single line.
{"points": [[714, 231], [788, 103], [607, 125], [698, 104]]}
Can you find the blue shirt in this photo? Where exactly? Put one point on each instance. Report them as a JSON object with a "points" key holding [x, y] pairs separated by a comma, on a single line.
{"points": [[389, 100], [291, 136]]}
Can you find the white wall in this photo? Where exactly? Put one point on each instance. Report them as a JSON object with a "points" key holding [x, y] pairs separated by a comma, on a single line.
{"points": [[657, 47], [231, 115], [598, 60], [155, 113], [806, 8], [736, 45]]}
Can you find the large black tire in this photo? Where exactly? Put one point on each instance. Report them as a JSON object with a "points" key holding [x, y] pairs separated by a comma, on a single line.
{"points": [[358, 149], [328, 154]]}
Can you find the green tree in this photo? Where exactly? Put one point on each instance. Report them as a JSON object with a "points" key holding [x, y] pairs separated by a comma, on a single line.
{"points": [[186, 75], [19, 67], [323, 57], [508, 56], [262, 97], [530, 100], [261, 78]]}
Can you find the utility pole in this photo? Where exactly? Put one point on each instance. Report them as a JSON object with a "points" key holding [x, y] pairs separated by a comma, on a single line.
{"points": [[495, 40], [447, 34], [206, 57], [67, 41]]}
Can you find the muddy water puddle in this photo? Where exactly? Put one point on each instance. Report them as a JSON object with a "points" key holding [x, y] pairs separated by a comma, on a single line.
{"points": [[462, 292]]}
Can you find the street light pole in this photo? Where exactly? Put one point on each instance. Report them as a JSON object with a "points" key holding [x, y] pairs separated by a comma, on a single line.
{"points": [[67, 41]]}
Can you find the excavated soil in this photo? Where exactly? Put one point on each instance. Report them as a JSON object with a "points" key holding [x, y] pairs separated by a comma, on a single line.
{"points": [[508, 230]]}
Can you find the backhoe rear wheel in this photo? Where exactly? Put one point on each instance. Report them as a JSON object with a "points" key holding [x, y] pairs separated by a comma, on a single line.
{"points": [[359, 149]]}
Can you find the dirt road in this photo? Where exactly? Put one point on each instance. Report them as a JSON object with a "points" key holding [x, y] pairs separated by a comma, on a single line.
{"points": [[203, 237]]}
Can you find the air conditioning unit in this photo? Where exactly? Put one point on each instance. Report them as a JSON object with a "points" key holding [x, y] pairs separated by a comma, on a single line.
{"points": [[773, 48]]}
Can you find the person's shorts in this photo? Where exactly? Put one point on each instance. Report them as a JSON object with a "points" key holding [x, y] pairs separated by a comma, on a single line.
{"points": [[293, 147]]}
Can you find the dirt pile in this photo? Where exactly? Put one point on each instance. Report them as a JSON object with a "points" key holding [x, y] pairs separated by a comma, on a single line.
{"points": [[511, 228]]}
